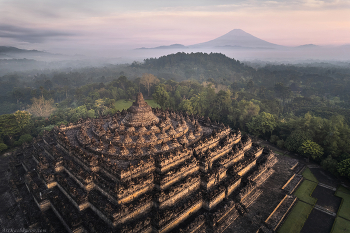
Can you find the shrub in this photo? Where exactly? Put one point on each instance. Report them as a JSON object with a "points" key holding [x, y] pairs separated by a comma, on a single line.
{"points": [[3, 147], [280, 143], [274, 139], [344, 168], [25, 138]]}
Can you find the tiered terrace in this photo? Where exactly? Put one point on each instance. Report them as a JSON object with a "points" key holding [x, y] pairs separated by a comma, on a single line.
{"points": [[145, 171]]}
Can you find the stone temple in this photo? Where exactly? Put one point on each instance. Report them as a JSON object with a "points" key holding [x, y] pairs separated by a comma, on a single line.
{"points": [[141, 170]]}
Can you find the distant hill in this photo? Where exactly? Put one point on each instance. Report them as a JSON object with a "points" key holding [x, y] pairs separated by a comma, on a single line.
{"points": [[236, 38], [198, 66], [173, 46], [8, 52], [9, 49], [305, 46]]}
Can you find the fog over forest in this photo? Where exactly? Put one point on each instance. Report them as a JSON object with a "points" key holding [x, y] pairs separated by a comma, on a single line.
{"points": [[236, 44]]}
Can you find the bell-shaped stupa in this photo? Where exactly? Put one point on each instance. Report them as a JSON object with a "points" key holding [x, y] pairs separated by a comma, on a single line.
{"points": [[140, 113]]}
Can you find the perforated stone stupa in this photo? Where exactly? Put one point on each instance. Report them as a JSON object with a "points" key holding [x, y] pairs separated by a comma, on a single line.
{"points": [[142, 170], [140, 114]]}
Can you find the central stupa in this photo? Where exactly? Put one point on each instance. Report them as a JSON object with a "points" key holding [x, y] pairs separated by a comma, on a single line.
{"points": [[140, 114]]}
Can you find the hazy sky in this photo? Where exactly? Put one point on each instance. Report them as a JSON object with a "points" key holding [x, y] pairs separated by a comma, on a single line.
{"points": [[57, 24]]}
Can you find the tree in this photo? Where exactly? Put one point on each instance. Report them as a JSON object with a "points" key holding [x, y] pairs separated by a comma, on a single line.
{"points": [[295, 140], [17, 94], [9, 126], [330, 164], [100, 106], [24, 138], [90, 113], [148, 80], [3, 147], [186, 106], [41, 107], [344, 168], [274, 139], [262, 123], [250, 86], [280, 143], [310, 148], [200, 102], [242, 112], [221, 106], [282, 92], [22, 119], [161, 96]]}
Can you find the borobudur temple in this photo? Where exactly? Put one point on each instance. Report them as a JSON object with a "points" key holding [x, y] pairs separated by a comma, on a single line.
{"points": [[140, 170]]}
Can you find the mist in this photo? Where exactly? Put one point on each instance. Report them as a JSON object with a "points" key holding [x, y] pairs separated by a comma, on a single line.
{"points": [[44, 61]]}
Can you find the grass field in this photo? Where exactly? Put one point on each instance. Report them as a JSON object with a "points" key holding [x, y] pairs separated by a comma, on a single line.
{"points": [[307, 174], [300, 212], [296, 218], [341, 226], [343, 189], [125, 104], [305, 190], [344, 210]]}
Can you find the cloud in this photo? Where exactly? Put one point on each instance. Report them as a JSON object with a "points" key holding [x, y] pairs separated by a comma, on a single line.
{"points": [[29, 34], [138, 23]]}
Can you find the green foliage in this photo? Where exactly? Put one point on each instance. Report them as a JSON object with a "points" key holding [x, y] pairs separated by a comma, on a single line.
{"points": [[280, 143], [12, 125], [242, 112], [100, 106], [3, 147], [186, 106], [197, 66], [62, 123], [90, 113], [25, 138], [344, 168], [262, 123], [47, 128], [274, 139], [295, 140], [330, 164], [22, 119], [222, 107], [161, 96], [282, 92], [310, 148]]}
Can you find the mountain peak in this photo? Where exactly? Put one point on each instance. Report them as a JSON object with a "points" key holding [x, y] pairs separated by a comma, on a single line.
{"points": [[237, 30], [237, 38]]}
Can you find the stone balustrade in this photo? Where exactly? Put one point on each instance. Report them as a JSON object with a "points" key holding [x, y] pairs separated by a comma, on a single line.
{"points": [[178, 191]]}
